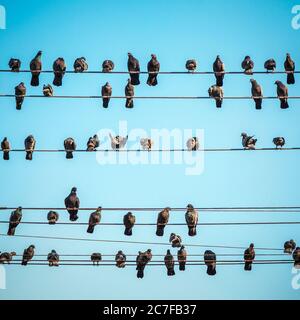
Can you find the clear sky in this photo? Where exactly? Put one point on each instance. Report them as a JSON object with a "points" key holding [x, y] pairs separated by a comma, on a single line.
{"points": [[175, 31]]}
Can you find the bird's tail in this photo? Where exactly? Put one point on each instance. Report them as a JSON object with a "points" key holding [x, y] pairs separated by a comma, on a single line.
{"points": [[128, 232], [219, 103], [160, 230], [19, 102], [220, 80], [284, 104], [90, 229], [135, 79], [258, 104], [192, 231], [69, 155], [73, 216], [58, 79], [105, 102], [24, 262], [5, 155], [11, 231], [248, 266], [35, 81], [290, 78], [152, 80], [29, 155], [129, 103], [211, 270], [140, 273], [181, 266], [171, 272]]}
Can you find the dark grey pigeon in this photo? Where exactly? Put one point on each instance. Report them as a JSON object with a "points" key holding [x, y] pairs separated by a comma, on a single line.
{"points": [[296, 257], [142, 260], [129, 93], [191, 218], [248, 142], [191, 65], [279, 142], [219, 69], [93, 143], [72, 204], [282, 93], [182, 256], [289, 246], [289, 66], [28, 254], [14, 220], [248, 65], [70, 147], [249, 256], [106, 92], [129, 221], [270, 65], [29, 144], [80, 65], [59, 68], [257, 94], [107, 66], [169, 263], [153, 69], [96, 258], [5, 147], [210, 261], [6, 257], [53, 259], [162, 221], [14, 64], [35, 68], [217, 93], [95, 219], [52, 217], [134, 66], [48, 90], [120, 259], [20, 93]]}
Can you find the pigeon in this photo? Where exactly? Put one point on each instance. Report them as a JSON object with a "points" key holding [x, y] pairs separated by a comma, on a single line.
{"points": [[14, 64], [107, 66], [181, 256], [191, 218], [106, 92], [248, 142], [219, 69], [142, 260], [6, 257], [249, 256], [289, 246], [193, 144], [270, 65], [248, 65], [20, 93], [5, 147], [52, 217], [59, 68], [95, 219], [133, 66], [14, 220], [72, 202], [191, 65], [282, 93], [296, 257], [146, 144], [217, 93], [129, 221], [289, 66], [80, 65], [129, 93], [96, 258], [29, 147], [120, 259], [162, 221], [257, 93], [175, 240], [153, 70], [279, 142], [48, 90], [118, 142], [210, 260], [35, 68], [53, 259], [70, 147], [93, 143], [169, 263], [28, 255]]}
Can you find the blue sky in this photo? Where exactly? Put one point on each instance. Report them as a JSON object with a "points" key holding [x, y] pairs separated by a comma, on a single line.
{"points": [[175, 31]]}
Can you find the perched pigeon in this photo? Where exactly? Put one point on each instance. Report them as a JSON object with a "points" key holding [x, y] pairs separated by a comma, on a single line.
{"points": [[106, 92], [133, 66], [175, 240], [72, 202], [153, 70], [142, 260], [129, 93], [169, 263], [48, 90], [289, 246], [35, 68], [210, 260], [296, 257], [193, 144], [191, 218], [20, 93], [93, 143], [282, 93], [191, 65], [14, 64], [80, 65], [29, 146], [257, 93], [270, 65], [70, 147], [217, 93], [53, 259], [14, 220], [107, 66], [249, 256], [219, 69], [289, 66], [59, 68], [146, 143], [181, 256], [279, 142], [129, 221], [96, 258], [52, 217], [95, 219], [162, 221], [248, 65], [248, 142], [118, 142], [120, 259], [28, 255], [5, 147], [6, 257]]}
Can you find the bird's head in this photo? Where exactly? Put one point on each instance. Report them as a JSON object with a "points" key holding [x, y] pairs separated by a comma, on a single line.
{"points": [[251, 245], [149, 251], [182, 247], [168, 209], [288, 55], [168, 251], [32, 246], [244, 134], [277, 82], [190, 207], [74, 190], [129, 54], [53, 251], [247, 58], [153, 56], [13, 253], [252, 80], [19, 209], [107, 84], [99, 209]]}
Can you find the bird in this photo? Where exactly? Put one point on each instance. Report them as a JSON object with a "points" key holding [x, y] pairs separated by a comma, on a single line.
{"points": [[270, 65], [282, 93], [80, 65], [14, 220], [217, 93], [175, 240], [59, 68], [296, 257], [53, 259], [95, 219], [28, 255], [72, 204], [142, 260], [35, 68], [289, 66], [191, 218], [248, 142], [93, 143], [257, 93], [249, 256], [191, 65], [6, 257], [219, 69], [96, 258], [70, 147], [29, 146], [279, 142], [107, 66], [5, 147], [146, 143], [120, 259], [153, 70], [128, 221], [248, 65], [169, 263], [162, 221], [48, 90], [289, 246], [193, 144], [129, 93], [20, 93], [181, 256], [134, 66], [106, 93], [118, 142], [52, 217], [210, 261], [14, 64]]}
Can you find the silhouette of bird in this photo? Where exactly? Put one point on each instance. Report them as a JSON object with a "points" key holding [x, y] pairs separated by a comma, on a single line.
{"points": [[162, 221], [219, 69], [48, 90], [129, 221], [191, 65], [20, 93], [249, 256], [14, 220], [133, 66], [70, 147], [210, 261], [96, 258], [175, 240], [107, 66], [5, 147], [72, 204], [169, 263], [29, 146], [6, 257], [59, 68], [80, 65], [248, 142], [153, 69], [289, 66], [142, 260], [118, 142], [106, 91], [129, 93], [279, 142], [95, 219], [270, 65], [191, 218], [181, 256], [120, 259], [248, 65], [35, 68], [53, 259], [28, 255], [289, 246], [52, 217], [217, 93], [14, 64], [282, 93], [146, 143], [296, 257], [93, 143], [257, 93], [193, 144]]}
